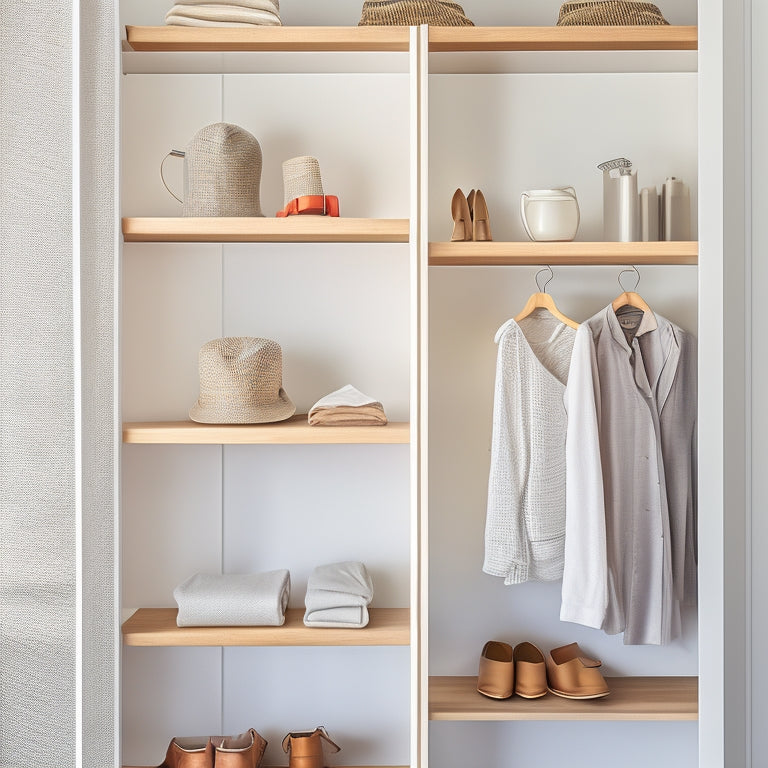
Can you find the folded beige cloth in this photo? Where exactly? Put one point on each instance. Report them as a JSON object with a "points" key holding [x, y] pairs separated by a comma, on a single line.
{"points": [[347, 407], [220, 15], [273, 6]]}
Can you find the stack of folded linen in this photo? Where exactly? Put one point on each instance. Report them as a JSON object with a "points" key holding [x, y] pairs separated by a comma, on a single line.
{"points": [[251, 599], [230, 13], [347, 407], [338, 595]]}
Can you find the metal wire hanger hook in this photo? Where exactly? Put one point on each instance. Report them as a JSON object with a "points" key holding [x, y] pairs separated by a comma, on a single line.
{"points": [[623, 271], [543, 289]]}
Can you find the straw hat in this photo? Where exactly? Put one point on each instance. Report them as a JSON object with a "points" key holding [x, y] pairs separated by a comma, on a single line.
{"points": [[223, 172], [241, 380], [301, 176], [608, 13]]}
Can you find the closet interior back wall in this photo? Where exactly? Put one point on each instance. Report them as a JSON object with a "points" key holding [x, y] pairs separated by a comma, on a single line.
{"points": [[519, 132], [340, 314]]}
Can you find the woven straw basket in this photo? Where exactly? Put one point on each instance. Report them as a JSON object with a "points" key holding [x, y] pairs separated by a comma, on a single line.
{"points": [[241, 382], [408, 13], [301, 176], [607, 13], [223, 172]]}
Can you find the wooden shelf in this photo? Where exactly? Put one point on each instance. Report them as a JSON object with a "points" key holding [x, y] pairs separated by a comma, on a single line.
{"points": [[371, 766], [292, 229], [170, 38], [293, 431], [631, 698], [157, 627], [471, 254], [646, 38]]}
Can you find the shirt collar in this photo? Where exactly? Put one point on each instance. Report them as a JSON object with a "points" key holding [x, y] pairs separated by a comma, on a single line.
{"points": [[647, 324]]}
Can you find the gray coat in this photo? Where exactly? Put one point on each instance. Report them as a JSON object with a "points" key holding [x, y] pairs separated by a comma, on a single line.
{"points": [[630, 557]]}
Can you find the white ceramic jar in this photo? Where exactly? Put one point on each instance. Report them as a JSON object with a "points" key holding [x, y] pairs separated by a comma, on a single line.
{"points": [[550, 214]]}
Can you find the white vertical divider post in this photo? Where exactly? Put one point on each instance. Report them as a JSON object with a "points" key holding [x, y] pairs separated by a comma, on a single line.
{"points": [[418, 48]]}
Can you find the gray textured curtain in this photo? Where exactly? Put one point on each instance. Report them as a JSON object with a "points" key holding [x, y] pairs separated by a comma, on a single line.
{"points": [[57, 463]]}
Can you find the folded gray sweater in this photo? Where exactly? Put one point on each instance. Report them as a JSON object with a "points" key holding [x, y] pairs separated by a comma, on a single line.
{"points": [[338, 595], [250, 599]]}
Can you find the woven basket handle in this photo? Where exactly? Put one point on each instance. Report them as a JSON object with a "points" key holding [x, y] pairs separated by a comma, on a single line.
{"points": [[172, 153]]}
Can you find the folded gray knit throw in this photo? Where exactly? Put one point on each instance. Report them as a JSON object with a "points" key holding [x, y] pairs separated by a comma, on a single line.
{"points": [[250, 599], [338, 595]]}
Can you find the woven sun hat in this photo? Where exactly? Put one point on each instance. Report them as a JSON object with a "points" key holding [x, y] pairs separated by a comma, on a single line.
{"points": [[608, 13], [223, 172], [241, 382], [301, 176], [438, 13]]}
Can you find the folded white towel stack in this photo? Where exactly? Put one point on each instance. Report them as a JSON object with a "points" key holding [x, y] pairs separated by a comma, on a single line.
{"points": [[338, 595], [233, 600], [231, 13]]}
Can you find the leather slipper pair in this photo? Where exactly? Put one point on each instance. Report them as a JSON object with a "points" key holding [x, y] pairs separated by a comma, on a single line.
{"points": [[566, 672], [505, 671]]}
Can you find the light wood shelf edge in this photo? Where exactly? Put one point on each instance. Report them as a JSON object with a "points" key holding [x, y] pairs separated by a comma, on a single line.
{"points": [[553, 38], [293, 431], [287, 38], [631, 698], [497, 253], [292, 229], [154, 627], [362, 766]]}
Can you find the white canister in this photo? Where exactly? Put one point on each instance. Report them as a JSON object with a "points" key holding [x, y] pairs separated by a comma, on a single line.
{"points": [[550, 214]]}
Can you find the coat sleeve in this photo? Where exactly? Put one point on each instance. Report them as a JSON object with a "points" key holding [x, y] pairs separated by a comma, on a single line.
{"points": [[585, 574], [506, 541]]}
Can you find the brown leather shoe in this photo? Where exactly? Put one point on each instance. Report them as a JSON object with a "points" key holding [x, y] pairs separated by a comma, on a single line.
{"points": [[306, 749], [573, 675], [192, 752], [496, 677], [242, 751], [530, 671]]}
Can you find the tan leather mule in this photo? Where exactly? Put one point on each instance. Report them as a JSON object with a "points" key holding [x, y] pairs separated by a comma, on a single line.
{"points": [[496, 676], [573, 675], [242, 751], [462, 219], [306, 749], [481, 225], [530, 671], [195, 752]]}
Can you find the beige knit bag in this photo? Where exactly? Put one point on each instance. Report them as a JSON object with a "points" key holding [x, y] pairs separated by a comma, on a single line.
{"points": [[608, 13], [222, 172], [438, 13]]}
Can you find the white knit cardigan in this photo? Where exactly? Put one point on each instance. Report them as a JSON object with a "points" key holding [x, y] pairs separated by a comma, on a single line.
{"points": [[525, 519]]}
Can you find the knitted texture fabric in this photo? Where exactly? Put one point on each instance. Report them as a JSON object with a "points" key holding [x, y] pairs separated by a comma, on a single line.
{"points": [[301, 176], [609, 13], [525, 519], [223, 165], [241, 382], [413, 12]]}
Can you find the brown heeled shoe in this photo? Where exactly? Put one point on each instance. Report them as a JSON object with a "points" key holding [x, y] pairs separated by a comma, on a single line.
{"points": [[243, 751], [496, 678], [462, 220], [530, 671], [481, 225]]}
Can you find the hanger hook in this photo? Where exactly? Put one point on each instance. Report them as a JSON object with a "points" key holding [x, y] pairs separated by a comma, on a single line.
{"points": [[635, 270], [543, 289]]}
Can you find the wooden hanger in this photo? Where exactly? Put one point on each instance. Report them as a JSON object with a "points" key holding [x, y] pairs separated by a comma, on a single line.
{"points": [[545, 301], [630, 298]]}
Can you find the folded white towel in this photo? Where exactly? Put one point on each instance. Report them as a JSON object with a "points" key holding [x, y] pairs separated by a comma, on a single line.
{"points": [[220, 15], [338, 595], [250, 599]]}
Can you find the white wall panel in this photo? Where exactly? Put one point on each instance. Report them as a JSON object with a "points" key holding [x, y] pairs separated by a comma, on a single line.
{"points": [[360, 695], [298, 507]]}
